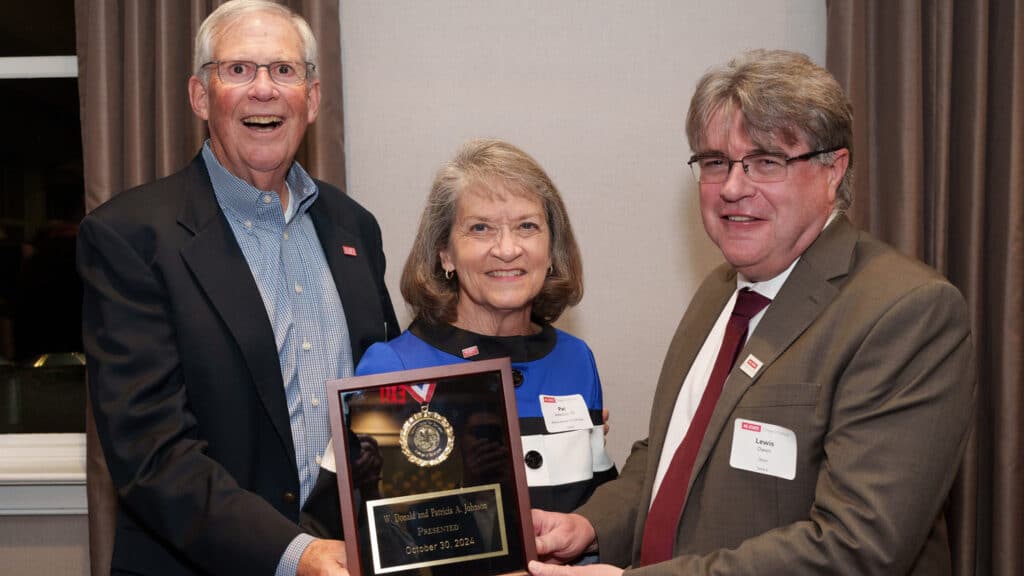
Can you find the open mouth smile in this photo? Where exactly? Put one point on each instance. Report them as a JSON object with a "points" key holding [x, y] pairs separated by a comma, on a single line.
{"points": [[739, 218], [265, 123], [506, 273]]}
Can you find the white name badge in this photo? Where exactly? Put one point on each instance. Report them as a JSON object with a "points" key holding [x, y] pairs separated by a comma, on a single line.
{"points": [[565, 413], [763, 448]]}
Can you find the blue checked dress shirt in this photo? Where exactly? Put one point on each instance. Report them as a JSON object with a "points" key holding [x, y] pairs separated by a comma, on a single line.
{"points": [[303, 306]]}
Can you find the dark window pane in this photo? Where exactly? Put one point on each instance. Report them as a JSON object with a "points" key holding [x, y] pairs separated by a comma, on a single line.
{"points": [[38, 28], [41, 203], [42, 372]]}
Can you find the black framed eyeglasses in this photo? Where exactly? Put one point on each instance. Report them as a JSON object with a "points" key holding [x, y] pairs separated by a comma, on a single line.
{"points": [[284, 72], [764, 167]]}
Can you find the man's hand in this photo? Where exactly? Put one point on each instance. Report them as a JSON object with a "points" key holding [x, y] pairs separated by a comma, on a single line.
{"points": [[541, 569], [323, 558], [604, 418], [562, 537]]}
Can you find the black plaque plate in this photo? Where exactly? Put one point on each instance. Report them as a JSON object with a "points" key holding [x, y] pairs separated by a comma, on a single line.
{"points": [[465, 513]]}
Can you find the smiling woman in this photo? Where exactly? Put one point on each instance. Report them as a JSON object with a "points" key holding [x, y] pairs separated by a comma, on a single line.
{"points": [[495, 198], [499, 248], [494, 263]]}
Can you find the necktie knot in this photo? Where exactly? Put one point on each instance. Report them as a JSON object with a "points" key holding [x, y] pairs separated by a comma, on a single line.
{"points": [[749, 303]]}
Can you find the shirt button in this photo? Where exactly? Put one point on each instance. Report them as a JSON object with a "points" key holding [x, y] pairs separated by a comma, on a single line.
{"points": [[248, 224], [285, 235], [315, 402], [318, 459], [306, 345], [266, 199], [533, 459], [298, 288]]}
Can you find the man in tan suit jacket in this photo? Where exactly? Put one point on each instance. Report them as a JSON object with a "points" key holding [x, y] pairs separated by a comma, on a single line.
{"points": [[858, 373]]}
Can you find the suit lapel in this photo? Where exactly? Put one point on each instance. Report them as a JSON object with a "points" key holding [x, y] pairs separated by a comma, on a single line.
{"points": [[806, 293], [222, 273]]}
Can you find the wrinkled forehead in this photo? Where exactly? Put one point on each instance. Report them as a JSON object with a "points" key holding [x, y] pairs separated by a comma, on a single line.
{"points": [[257, 28]]}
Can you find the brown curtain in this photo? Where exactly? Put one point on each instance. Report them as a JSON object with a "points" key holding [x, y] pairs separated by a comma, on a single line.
{"points": [[938, 96], [134, 61]]}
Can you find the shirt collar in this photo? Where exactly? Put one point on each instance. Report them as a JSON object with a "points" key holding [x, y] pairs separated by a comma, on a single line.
{"points": [[770, 288], [238, 196]]}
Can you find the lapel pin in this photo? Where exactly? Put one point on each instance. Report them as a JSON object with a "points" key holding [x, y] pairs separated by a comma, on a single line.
{"points": [[751, 365], [348, 250]]}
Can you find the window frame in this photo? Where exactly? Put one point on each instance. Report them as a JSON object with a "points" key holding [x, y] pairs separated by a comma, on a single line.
{"points": [[41, 474]]}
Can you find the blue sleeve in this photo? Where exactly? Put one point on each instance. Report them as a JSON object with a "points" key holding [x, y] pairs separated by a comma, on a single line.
{"points": [[595, 398], [584, 366]]}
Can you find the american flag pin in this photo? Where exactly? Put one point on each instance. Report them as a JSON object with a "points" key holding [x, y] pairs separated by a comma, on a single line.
{"points": [[751, 365], [348, 250], [470, 352]]}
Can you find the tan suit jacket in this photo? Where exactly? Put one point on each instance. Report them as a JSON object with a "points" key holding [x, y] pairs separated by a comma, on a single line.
{"points": [[868, 359]]}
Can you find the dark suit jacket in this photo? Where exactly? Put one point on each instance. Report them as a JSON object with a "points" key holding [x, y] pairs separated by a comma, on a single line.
{"points": [[184, 374], [867, 358]]}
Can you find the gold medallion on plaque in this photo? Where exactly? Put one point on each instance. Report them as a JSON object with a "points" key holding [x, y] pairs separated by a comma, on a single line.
{"points": [[427, 438]]}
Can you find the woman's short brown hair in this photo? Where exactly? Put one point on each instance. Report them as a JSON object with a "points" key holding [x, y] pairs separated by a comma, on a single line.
{"points": [[489, 164]]}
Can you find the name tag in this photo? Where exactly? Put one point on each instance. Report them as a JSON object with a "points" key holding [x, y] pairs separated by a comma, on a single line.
{"points": [[565, 413], [763, 448]]}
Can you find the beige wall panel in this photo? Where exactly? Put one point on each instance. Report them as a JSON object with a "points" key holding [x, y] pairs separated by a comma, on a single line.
{"points": [[44, 545]]}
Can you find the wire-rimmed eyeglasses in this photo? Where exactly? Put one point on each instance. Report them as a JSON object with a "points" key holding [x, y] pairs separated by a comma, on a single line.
{"points": [[284, 72], [765, 167]]}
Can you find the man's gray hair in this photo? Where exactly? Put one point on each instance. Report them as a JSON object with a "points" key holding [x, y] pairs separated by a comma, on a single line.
{"points": [[782, 96], [230, 12]]}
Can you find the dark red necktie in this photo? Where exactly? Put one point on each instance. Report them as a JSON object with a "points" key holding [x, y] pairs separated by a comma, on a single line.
{"points": [[660, 528]]}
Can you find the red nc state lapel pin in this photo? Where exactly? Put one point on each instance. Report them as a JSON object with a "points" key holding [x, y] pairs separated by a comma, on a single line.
{"points": [[348, 250]]}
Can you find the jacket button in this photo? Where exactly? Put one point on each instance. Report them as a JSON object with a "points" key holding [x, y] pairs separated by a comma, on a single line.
{"points": [[288, 497], [533, 459]]}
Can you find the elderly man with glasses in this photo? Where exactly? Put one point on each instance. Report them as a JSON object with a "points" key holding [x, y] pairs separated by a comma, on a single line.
{"points": [[816, 399], [217, 302]]}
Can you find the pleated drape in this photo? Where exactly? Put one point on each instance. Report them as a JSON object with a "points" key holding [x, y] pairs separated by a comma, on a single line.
{"points": [[938, 95]]}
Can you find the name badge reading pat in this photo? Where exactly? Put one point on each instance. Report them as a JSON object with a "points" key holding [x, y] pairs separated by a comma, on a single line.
{"points": [[763, 449], [565, 413]]}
